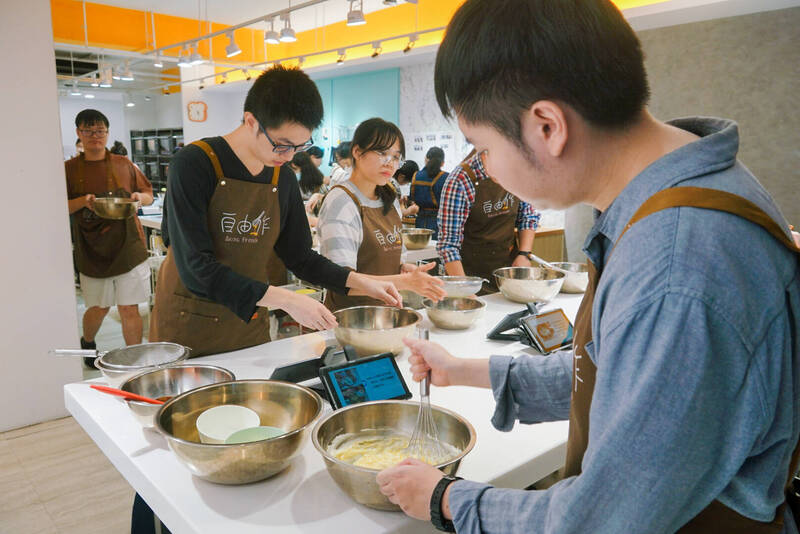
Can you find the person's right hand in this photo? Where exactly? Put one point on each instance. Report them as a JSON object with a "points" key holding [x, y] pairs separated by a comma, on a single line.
{"points": [[413, 209], [306, 311], [420, 282], [427, 355], [89, 201]]}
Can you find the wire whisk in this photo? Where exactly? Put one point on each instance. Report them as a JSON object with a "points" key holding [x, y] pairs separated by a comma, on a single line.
{"points": [[425, 444]]}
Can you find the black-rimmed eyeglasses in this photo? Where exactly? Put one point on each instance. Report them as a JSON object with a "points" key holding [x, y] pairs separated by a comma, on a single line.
{"points": [[285, 149]]}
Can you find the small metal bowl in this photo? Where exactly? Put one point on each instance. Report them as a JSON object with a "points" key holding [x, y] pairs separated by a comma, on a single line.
{"points": [[115, 208], [416, 238], [454, 313], [283, 405], [375, 329], [411, 299], [359, 482], [169, 382], [577, 279], [528, 284], [462, 286]]}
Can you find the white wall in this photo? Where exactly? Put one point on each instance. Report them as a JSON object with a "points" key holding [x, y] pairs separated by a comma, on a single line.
{"points": [[161, 111], [109, 104], [38, 311]]}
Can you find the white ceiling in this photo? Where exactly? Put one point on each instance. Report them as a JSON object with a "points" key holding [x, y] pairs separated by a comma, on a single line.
{"points": [[238, 11]]}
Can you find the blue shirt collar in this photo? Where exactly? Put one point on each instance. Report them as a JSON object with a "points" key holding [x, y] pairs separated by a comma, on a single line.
{"points": [[715, 150]]}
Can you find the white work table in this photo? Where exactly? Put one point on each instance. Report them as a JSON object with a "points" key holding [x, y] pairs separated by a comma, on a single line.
{"points": [[304, 498]]}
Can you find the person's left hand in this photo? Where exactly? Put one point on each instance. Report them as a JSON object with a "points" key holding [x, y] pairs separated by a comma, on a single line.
{"points": [[410, 485], [377, 289], [136, 196], [521, 261]]}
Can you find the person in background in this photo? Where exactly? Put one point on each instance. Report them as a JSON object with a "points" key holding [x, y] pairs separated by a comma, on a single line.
{"points": [[316, 153], [119, 149], [477, 218], [343, 166], [683, 389], [426, 190], [310, 176], [110, 255], [402, 179], [359, 223], [78, 147]]}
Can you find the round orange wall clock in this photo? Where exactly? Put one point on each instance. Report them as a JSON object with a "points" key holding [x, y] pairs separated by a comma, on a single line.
{"points": [[197, 111]]}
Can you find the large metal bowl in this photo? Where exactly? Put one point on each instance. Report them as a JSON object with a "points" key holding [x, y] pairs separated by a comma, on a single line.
{"points": [[528, 284], [375, 329], [169, 382], [461, 286], [280, 404], [115, 208], [454, 313], [577, 279], [416, 238], [359, 482]]}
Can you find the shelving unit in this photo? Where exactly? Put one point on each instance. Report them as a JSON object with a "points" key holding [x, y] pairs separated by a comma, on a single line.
{"points": [[152, 152]]}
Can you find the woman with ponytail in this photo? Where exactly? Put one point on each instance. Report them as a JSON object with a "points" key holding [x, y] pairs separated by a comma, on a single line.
{"points": [[359, 223], [426, 190]]}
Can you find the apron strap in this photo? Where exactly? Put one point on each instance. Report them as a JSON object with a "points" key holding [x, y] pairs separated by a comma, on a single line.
{"points": [[413, 185], [433, 184], [470, 173], [112, 183], [276, 172], [700, 197], [205, 147], [353, 196]]}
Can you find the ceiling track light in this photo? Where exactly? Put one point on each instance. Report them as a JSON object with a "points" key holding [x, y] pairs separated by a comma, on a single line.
{"points": [[224, 78], [287, 33], [201, 86], [196, 58], [157, 63], [105, 79], [411, 42], [390, 2], [341, 57], [95, 80], [75, 91], [376, 50], [355, 17], [246, 74], [232, 49], [271, 36], [88, 95], [183, 58], [127, 75]]}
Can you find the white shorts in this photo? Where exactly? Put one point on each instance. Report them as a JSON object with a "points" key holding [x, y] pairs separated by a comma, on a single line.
{"points": [[125, 289]]}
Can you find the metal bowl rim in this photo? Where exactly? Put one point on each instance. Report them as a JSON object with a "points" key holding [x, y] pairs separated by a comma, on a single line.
{"points": [[429, 304], [184, 355], [418, 231], [448, 279], [169, 436], [148, 371], [326, 456], [497, 273], [415, 312]]}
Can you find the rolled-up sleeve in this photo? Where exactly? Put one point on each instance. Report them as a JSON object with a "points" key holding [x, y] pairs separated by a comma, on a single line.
{"points": [[530, 389], [455, 204], [527, 217]]}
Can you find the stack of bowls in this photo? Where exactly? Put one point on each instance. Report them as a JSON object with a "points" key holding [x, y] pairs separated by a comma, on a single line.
{"points": [[461, 286], [169, 382], [577, 277], [290, 407], [416, 238], [120, 364]]}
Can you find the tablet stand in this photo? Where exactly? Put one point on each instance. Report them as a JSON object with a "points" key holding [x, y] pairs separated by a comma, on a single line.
{"points": [[509, 328]]}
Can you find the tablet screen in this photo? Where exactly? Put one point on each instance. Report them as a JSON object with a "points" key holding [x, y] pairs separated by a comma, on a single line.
{"points": [[369, 379]]}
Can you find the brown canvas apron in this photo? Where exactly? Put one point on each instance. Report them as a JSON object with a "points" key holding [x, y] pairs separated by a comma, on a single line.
{"points": [[104, 247], [716, 517], [244, 224], [489, 240], [379, 253]]}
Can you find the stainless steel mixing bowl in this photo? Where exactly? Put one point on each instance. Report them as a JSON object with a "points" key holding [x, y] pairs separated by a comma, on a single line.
{"points": [[577, 279], [528, 284], [284, 405], [120, 364], [416, 238], [411, 300], [359, 482], [461, 286], [454, 313], [375, 329], [169, 382], [115, 208]]}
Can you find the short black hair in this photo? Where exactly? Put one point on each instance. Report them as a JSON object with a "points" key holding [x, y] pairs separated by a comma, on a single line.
{"points": [[376, 134], [407, 170], [498, 57], [90, 117], [342, 150], [315, 152], [284, 94], [435, 156]]}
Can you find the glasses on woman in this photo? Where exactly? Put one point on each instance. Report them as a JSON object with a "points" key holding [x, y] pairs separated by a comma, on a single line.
{"points": [[389, 159], [94, 133], [285, 149]]}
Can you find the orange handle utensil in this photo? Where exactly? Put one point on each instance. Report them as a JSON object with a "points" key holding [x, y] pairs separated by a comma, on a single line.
{"points": [[125, 394]]}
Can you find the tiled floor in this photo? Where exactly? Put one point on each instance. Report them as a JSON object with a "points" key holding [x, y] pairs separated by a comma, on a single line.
{"points": [[54, 479]]}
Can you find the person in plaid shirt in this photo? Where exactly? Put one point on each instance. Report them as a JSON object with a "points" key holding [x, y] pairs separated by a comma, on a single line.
{"points": [[477, 218]]}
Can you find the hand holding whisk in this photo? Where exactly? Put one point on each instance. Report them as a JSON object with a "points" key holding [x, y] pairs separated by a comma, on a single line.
{"points": [[425, 444]]}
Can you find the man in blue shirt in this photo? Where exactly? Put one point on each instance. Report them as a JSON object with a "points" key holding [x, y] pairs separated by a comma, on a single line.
{"points": [[683, 389]]}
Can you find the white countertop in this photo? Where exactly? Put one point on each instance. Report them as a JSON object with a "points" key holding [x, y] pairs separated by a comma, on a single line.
{"points": [[304, 498]]}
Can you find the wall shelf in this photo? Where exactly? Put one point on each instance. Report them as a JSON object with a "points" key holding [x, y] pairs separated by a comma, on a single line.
{"points": [[152, 152]]}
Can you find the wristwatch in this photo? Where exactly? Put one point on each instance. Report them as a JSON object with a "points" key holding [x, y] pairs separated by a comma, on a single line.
{"points": [[438, 520], [526, 253]]}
